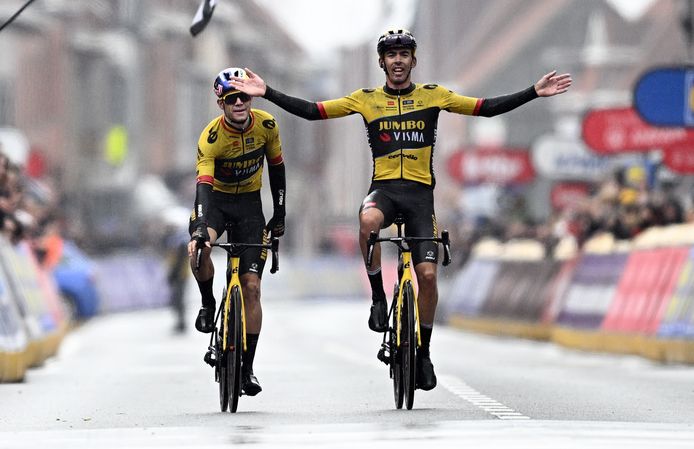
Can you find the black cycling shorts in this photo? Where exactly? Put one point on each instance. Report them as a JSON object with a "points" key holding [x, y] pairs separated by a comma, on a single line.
{"points": [[415, 201], [243, 212]]}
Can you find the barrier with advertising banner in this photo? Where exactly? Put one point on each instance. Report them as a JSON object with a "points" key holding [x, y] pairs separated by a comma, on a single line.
{"points": [[632, 297], [678, 319], [591, 290], [131, 281], [648, 281], [517, 290], [38, 321], [13, 336], [471, 287]]}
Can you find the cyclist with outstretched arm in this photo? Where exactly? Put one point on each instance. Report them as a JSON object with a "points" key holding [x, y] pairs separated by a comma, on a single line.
{"points": [[231, 153], [401, 119]]}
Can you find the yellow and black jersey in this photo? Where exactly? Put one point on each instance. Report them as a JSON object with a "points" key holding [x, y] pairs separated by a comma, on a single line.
{"points": [[401, 125], [231, 160]]}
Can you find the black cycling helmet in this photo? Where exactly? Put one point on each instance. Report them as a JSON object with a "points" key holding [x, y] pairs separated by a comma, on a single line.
{"points": [[222, 85], [396, 39]]}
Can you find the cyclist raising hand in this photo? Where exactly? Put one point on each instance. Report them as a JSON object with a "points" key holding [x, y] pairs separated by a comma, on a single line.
{"points": [[231, 152], [401, 119]]}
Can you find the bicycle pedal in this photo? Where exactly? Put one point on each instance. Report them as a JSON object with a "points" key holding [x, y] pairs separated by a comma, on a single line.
{"points": [[210, 358], [383, 357]]}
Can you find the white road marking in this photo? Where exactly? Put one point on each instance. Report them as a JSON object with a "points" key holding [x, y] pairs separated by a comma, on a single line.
{"points": [[474, 397]]}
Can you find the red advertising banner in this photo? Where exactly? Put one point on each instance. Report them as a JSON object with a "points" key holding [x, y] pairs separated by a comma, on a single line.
{"points": [[620, 130], [493, 165], [679, 158]]}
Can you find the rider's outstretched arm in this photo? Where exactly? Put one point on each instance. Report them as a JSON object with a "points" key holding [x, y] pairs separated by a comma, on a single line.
{"points": [[297, 106], [499, 105], [549, 85]]}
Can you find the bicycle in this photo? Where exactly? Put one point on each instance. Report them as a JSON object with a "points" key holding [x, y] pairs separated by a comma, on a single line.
{"points": [[402, 339], [228, 340]]}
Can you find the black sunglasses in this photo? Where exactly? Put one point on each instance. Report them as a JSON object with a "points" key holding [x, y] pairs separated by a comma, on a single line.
{"points": [[231, 98]]}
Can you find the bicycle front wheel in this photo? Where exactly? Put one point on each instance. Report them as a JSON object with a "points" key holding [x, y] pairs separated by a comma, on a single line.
{"points": [[395, 361], [221, 366], [234, 350], [408, 344]]}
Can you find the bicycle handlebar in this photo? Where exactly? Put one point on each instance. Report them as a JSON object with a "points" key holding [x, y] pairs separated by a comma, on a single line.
{"points": [[235, 249], [398, 241]]}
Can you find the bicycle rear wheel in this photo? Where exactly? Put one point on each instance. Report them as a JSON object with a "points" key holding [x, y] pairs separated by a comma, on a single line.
{"points": [[395, 359], [234, 350], [408, 344], [221, 366]]}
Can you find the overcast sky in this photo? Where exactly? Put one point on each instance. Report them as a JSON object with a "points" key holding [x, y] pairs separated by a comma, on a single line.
{"points": [[323, 25]]}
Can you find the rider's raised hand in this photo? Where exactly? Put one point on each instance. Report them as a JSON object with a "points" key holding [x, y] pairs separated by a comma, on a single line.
{"points": [[553, 84], [253, 85]]}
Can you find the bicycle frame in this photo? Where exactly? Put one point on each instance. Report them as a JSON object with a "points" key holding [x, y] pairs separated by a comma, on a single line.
{"points": [[405, 271], [234, 251], [405, 275], [234, 281]]}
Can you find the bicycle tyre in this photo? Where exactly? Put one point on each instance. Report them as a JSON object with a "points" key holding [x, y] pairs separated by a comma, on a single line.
{"points": [[221, 367], [408, 345], [234, 350], [395, 364]]}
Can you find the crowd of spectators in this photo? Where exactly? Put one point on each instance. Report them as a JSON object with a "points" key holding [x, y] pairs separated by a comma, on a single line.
{"points": [[624, 205], [28, 211]]}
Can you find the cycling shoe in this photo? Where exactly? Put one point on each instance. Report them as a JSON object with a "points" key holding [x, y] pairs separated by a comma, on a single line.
{"points": [[426, 378], [378, 318], [250, 385], [205, 321]]}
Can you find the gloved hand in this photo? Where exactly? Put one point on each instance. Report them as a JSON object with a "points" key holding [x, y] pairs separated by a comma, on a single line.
{"points": [[276, 224], [200, 235]]}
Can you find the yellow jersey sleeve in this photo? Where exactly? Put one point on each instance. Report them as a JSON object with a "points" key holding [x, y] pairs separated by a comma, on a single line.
{"points": [[456, 103], [341, 107]]}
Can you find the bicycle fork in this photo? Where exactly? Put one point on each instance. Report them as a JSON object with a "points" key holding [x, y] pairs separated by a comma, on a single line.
{"points": [[215, 350], [388, 346]]}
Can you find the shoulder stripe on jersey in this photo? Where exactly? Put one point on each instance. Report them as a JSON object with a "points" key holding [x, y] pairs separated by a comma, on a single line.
{"points": [[321, 109], [276, 161], [206, 179], [476, 111]]}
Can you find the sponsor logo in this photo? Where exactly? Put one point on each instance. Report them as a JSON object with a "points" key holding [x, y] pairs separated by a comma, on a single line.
{"points": [[368, 91], [384, 137], [430, 255], [212, 136], [200, 153], [269, 124], [242, 168], [390, 103], [250, 140], [430, 86], [254, 267], [404, 156], [407, 102], [281, 199], [409, 136], [235, 270], [403, 125]]}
